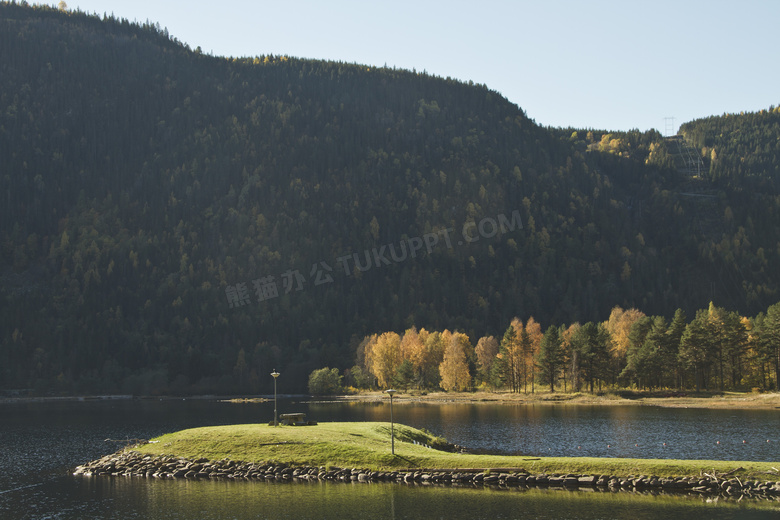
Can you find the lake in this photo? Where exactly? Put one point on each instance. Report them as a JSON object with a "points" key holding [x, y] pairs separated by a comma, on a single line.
{"points": [[41, 442]]}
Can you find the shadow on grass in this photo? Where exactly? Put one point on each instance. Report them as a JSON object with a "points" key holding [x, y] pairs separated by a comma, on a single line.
{"points": [[411, 463]]}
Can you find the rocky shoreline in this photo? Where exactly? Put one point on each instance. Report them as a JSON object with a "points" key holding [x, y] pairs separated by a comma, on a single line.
{"points": [[134, 464]]}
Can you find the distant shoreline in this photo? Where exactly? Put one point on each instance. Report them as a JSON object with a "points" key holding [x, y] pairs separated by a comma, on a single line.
{"points": [[726, 400], [64, 399]]}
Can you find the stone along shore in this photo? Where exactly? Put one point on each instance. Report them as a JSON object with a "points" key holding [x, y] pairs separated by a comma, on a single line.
{"points": [[132, 463]]}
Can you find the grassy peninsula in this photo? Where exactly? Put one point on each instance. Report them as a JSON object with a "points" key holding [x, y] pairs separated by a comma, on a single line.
{"points": [[367, 445]]}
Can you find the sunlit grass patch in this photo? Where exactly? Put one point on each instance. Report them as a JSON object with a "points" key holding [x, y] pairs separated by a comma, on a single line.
{"points": [[367, 445]]}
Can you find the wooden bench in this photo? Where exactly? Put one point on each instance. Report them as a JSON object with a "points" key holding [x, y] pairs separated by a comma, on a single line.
{"points": [[295, 419]]}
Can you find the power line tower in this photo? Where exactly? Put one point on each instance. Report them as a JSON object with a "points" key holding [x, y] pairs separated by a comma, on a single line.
{"points": [[686, 158], [669, 126]]}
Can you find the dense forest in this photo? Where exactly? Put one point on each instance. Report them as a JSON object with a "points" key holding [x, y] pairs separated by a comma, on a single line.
{"points": [[742, 150], [175, 222]]}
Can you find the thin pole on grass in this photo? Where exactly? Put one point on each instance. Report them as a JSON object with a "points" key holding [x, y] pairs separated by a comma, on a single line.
{"points": [[275, 374], [391, 392]]}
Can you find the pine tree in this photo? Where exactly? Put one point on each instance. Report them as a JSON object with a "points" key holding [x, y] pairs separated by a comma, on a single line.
{"points": [[674, 338], [696, 348], [508, 350], [771, 338], [592, 342], [550, 356]]}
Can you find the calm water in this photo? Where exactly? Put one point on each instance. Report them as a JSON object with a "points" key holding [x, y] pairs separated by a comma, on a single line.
{"points": [[576, 430], [41, 442]]}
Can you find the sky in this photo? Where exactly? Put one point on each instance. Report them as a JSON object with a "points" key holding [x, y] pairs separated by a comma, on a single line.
{"points": [[612, 65]]}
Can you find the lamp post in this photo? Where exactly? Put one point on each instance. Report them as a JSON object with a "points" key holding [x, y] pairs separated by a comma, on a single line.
{"points": [[275, 374], [392, 427]]}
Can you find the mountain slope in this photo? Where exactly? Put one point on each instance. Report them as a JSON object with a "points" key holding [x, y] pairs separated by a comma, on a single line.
{"points": [[743, 150], [144, 182]]}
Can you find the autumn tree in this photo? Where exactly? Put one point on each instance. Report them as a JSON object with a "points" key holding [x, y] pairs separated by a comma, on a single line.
{"points": [[364, 351], [619, 327], [519, 368], [433, 354], [384, 358], [530, 343], [454, 368], [413, 351], [486, 352]]}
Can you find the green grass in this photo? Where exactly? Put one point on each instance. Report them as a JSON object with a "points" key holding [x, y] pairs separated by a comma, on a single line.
{"points": [[367, 445]]}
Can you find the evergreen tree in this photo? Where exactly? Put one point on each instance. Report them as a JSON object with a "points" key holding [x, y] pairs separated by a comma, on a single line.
{"points": [[697, 349], [508, 350], [771, 338], [670, 362], [550, 357], [592, 343], [645, 362]]}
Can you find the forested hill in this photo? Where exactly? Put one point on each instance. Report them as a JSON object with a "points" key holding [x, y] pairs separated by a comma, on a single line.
{"points": [[179, 222], [743, 150]]}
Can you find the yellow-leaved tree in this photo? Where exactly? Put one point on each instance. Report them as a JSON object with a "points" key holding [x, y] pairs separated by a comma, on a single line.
{"points": [[530, 340], [619, 327], [432, 357], [383, 358], [486, 352], [454, 368]]}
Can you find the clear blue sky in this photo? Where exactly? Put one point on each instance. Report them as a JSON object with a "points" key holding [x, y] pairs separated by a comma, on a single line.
{"points": [[589, 64]]}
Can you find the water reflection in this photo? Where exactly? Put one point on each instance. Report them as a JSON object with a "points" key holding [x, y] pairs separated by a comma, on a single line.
{"points": [[141, 498], [41, 442], [582, 430]]}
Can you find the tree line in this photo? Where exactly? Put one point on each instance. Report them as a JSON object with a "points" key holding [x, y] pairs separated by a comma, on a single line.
{"points": [[716, 350]]}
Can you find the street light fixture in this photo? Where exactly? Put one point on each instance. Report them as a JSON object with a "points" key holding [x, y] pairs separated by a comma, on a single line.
{"points": [[391, 392], [275, 374]]}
